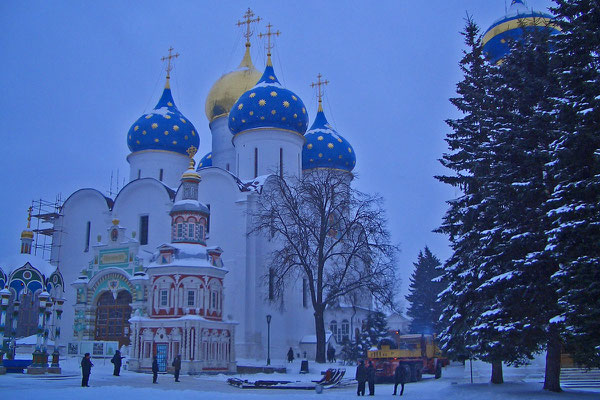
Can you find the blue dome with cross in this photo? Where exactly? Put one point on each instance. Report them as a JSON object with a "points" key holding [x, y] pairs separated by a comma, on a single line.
{"points": [[268, 105], [511, 27], [325, 148], [163, 128]]}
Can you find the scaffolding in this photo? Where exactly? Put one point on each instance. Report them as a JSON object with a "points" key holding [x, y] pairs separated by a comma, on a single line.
{"points": [[46, 213]]}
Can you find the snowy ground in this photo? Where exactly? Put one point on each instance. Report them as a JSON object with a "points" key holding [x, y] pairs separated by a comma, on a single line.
{"points": [[134, 386]]}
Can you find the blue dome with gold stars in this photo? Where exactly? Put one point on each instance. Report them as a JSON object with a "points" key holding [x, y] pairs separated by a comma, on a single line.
{"points": [[511, 27], [325, 148], [268, 105], [206, 161], [163, 128]]}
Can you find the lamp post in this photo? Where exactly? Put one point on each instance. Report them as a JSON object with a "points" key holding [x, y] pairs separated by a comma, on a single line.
{"points": [[269, 339]]}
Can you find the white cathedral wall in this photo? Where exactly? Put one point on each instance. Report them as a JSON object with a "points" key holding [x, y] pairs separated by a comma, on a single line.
{"points": [[148, 164], [269, 142], [228, 230], [223, 152], [145, 197], [69, 243]]}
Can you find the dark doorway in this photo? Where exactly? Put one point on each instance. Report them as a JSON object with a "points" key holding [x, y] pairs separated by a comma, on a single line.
{"points": [[112, 317]]}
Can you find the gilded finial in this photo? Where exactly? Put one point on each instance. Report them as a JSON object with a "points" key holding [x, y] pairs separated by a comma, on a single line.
{"points": [[29, 211], [247, 21], [115, 221], [320, 86], [169, 66], [269, 44], [192, 150]]}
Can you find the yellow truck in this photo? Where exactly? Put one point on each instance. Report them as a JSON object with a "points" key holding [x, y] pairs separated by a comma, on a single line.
{"points": [[419, 354]]}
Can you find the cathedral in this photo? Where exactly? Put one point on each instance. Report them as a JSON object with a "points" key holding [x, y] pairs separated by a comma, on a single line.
{"points": [[169, 266]]}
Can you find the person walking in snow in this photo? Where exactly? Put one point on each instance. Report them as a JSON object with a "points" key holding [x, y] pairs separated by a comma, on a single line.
{"points": [[116, 360], [361, 377], [399, 378], [86, 370], [154, 369], [290, 355], [177, 365], [371, 378]]}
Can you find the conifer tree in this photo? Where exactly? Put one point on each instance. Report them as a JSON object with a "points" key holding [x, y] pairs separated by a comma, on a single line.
{"points": [[374, 329], [469, 160], [425, 286], [574, 204], [515, 274]]}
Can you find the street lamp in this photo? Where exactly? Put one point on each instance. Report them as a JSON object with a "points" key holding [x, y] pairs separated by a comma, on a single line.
{"points": [[269, 339]]}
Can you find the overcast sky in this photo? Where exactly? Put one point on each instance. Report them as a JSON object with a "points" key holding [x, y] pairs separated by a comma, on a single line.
{"points": [[77, 74]]}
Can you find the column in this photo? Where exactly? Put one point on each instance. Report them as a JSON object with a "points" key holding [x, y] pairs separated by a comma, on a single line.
{"points": [[4, 298]]}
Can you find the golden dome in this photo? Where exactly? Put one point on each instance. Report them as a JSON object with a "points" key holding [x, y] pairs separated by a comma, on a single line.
{"points": [[225, 92], [26, 234]]}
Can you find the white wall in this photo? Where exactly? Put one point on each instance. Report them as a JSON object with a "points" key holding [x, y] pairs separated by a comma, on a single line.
{"points": [[268, 142], [148, 163]]}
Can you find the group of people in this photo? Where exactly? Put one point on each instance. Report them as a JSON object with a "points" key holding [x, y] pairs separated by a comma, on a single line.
{"points": [[117, 360], [367, 375]]}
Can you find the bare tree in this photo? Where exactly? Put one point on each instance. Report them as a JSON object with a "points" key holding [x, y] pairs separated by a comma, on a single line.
{"points": [[330, 234]]}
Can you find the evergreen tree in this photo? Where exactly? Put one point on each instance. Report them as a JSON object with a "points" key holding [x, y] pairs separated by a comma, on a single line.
{"points": [[574, 204], [425, 286], [515, 275], [469, 160], [374, 329]]}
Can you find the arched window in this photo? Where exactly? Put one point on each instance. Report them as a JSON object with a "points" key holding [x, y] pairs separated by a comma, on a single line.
{"points": [[333, 327], [345, 331]]}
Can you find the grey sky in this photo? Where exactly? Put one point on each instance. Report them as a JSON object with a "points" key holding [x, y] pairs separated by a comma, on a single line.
{"points": [[77, 74]]}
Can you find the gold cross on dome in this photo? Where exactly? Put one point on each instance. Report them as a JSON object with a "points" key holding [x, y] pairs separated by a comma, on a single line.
{"points": [[192, 150], [247, 21], [320, 84], [168, 58], [29, 210], [268, 35]]}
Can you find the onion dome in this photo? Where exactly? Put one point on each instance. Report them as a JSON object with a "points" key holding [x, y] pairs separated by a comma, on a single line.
{"points": [[325, 148], [268, 105], [164, 128], [510, 27], [224, 93], [206, 161]]}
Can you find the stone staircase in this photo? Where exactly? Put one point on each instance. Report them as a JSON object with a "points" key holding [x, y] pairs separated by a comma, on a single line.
{"points": [[579, 378]]}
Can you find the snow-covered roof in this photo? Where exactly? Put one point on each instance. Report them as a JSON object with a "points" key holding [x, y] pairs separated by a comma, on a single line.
{"points": [[13, 262], [31, 340], [309, 339]]}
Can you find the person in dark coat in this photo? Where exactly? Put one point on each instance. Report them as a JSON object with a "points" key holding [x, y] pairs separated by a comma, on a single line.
{"points": [[154, 369], [177, 365], [329, 354], [290, 355], [371, 378], [399, 378], [86, 370], [116, 360], [361, 377]]}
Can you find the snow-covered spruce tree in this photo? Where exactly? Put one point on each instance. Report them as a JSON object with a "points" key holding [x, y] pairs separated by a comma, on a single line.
{"points": [[374, 329], [465, 220], [515, 275], [425, 286], [574, 205]]}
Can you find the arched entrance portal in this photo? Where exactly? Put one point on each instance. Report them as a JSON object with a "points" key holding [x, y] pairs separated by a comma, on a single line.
{"points": [[112, 317]]}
